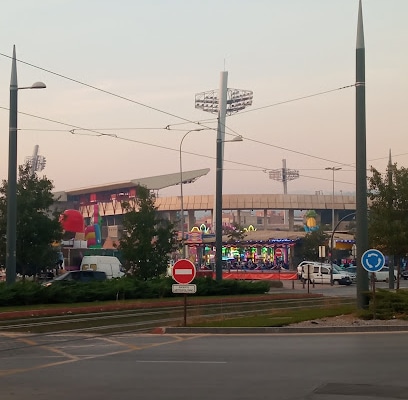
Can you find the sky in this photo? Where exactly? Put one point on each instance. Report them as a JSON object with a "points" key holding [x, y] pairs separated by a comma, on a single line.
{"points": [[122, 77]]}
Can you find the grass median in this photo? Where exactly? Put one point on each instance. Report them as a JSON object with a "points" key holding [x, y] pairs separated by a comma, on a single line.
{"points": [[278, 318]]}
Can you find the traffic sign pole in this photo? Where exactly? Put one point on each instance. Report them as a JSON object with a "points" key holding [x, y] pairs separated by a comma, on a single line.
{"points": [[184, 272], [372, 261]]}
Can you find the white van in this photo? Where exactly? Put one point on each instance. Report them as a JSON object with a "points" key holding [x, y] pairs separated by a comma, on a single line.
{"points": [[108, 264], [320, 273]]}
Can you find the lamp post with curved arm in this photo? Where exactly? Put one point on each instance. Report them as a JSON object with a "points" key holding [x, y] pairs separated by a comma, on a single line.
{"points": [[331, 243], [333, 169], [183, 249], [12, 173]]}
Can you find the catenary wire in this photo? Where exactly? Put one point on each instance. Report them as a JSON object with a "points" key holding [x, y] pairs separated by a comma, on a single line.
{"points": [[96, 133]]}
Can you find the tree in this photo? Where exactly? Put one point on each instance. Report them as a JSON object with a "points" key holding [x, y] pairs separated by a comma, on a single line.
{"points": [[147, 240], [309, 249], [37, 227], [388, 216], [235, 232]]}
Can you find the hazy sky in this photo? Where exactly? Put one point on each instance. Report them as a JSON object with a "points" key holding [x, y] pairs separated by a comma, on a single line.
{"points": [[155, 55]]}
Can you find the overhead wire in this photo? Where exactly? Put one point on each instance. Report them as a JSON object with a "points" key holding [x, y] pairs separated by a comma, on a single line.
{"points": [[97, 132]]}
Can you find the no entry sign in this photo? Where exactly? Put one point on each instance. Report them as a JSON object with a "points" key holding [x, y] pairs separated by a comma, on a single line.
{"points": [[184, 271], [278, 252]]}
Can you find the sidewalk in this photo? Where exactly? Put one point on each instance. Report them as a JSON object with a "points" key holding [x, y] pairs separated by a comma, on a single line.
{"points": [[291, 286]]}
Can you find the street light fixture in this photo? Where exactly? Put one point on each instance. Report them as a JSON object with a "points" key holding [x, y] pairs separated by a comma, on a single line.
{"points": [[333, 225], [12, 173], [181, 192]]}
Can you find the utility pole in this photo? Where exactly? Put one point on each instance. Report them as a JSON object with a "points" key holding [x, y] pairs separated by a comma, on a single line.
{"points": [[361, 166]]}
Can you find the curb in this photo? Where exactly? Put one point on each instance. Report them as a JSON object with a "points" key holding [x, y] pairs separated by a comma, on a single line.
{"points": [[280, 330]]}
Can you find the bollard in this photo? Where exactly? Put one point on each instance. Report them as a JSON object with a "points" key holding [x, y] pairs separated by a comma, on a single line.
{"points": [[293, 284]]}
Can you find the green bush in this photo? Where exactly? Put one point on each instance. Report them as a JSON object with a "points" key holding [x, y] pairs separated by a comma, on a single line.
{"points": [[30, 293], [387, 305]]}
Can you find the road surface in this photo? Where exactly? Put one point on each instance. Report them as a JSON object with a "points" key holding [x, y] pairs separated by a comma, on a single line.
{"points": [[203, 367]]}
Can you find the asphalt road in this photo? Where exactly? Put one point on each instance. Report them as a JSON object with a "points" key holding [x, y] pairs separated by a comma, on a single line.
{"points": [[227, 367]]}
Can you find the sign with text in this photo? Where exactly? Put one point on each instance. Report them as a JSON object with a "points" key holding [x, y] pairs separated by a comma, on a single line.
{"points": [[186, 289]]}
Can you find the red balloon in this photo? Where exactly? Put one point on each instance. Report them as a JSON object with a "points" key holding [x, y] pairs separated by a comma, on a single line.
{"points": [[72, 221]]}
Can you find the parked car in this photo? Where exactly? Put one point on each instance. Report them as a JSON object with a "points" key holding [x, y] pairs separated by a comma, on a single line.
{"points": [[78, 276], [383, 275], [108, 264], [404, 274], [321, 273], [339, 270]]}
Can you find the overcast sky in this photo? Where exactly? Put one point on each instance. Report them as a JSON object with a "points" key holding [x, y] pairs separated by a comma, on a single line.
{"points": [[153, 56]]}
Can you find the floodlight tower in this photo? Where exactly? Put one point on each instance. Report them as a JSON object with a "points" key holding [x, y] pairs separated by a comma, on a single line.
{"points": [[36, 162], [222, 102], [284, 175]]}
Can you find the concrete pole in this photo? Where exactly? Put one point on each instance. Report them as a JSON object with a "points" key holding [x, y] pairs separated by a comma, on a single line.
{"points": [[391, 277], [361, 166], [222, 113], [285, 188], [12, 179]]}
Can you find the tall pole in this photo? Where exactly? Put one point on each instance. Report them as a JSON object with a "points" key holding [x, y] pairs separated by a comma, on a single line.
{"points": [[333, 202], [183, 249], [12, 178], [333, 227], [333, 169], [391, 277], [222, 113], [285, 189], [12, 173], [361, 166]]}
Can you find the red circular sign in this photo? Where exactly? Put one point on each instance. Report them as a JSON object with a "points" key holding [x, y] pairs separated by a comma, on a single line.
{"points": [[278, 252], [184, 271]]}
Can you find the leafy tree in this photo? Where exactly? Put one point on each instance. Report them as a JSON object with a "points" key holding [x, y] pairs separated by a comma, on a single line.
{"points": [[147, 240], [309, 249], [235, 232], [388, 217], [37, 227]]}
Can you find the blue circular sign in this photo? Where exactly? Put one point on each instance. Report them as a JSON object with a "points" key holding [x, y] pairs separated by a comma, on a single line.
{"points": [[372, 260]]}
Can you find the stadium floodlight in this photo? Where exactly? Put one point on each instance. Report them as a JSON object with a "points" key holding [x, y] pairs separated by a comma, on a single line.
{"points": [[237, 100]]}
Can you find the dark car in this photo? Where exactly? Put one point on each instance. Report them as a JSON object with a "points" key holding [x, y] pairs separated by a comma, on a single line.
{"points": [[404, 274], [79, 276]]}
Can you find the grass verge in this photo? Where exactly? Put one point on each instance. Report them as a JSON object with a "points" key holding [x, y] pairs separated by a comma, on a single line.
{"points": [[278, 318]]}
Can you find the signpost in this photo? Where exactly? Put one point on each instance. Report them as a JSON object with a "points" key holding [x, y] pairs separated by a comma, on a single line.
{"points": [[184, 272], [372, 261], [278, 252]]}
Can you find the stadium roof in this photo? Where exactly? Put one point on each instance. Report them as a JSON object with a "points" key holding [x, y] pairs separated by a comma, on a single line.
{"points": [[151, 183]]}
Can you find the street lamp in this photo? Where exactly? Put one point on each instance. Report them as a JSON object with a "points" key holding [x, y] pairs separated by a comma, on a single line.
{"points": [[333, 226], [218, 206], [181, 193], [333, 169], [222, 102], [12, 173]]}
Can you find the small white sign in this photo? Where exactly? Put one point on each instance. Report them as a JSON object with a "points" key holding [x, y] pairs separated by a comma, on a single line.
{"points": [[188, 289], [322, 251]]}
